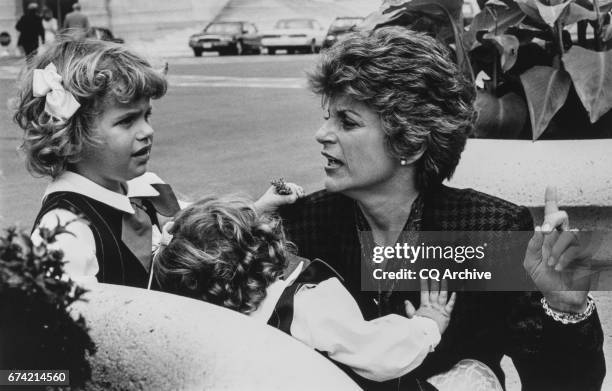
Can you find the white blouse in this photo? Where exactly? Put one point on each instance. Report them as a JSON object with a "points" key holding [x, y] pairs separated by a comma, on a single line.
{"points": [[327, 318]]}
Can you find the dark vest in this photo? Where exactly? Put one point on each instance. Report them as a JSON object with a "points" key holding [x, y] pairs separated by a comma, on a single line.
{"points": [[313, 273], [116, 262]]}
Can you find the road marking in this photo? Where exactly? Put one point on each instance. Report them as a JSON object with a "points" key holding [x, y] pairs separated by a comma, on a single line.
{"points": [[213, 59], [232, 81], [11, 73]]}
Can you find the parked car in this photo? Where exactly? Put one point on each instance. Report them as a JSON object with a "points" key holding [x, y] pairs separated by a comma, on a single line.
{"points": [[342, 25], [225, 38], [104, 34], [294, 35]]}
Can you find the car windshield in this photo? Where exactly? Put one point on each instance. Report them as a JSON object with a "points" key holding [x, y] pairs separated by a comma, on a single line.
{"points": [[223, 28], [294, 24], [345, 23]]}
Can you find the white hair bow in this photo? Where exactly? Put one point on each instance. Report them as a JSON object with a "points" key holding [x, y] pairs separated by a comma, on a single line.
{"points": [[59, 102]]}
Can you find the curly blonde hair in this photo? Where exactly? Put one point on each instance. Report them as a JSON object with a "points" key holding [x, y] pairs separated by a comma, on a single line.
{"points": [[224, 252], [98, 74]]}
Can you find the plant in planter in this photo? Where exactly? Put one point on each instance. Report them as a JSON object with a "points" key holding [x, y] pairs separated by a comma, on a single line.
{"points": [[37, 330], [535, 80]]}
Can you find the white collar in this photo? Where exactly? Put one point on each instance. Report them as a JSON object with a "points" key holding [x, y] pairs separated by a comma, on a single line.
{"points": [[273, 294], [76, 183]]}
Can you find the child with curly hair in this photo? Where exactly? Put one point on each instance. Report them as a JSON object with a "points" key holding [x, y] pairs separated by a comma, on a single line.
{"points": [[85, 108], [224, 251]]}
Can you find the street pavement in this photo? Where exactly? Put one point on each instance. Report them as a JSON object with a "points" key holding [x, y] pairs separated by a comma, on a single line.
{"points": [[227, 124]]}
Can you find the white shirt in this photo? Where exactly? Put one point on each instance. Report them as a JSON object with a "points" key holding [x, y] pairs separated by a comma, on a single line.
{"points": [[79, 246], [327, 318]]}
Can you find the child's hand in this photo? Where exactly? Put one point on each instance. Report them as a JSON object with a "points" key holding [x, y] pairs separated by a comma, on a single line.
{"points": [[435, 304], [280, 193]]}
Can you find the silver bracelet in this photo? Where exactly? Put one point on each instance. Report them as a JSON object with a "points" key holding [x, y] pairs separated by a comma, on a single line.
{"points": [[567, 317]]}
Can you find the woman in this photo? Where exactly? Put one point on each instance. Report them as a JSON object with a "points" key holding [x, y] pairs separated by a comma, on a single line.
{"points": [[397, 116]]}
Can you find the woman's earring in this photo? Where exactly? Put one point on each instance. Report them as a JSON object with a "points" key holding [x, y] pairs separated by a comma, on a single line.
{"points": [[403, 162]]}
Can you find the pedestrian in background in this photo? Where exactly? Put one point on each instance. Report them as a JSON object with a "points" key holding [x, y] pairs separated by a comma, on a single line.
{"points": [[49, 25], [30, 29], [76, 19]]}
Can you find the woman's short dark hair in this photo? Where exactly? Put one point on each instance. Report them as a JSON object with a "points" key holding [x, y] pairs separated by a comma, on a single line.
{"points": [[224, 252], [408, 78]]}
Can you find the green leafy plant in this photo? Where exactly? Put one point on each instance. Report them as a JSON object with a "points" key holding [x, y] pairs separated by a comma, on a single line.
{"points": [[37, 330], [539, 74], [533, 43]]}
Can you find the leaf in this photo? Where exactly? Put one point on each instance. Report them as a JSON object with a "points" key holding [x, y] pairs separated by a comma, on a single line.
{"points": [[606, 34], [499, 117], [447, 13], [604, 5], [497, 3], [546, 89], [507, 45], [483, 21], [577, 13], [530, 8], [550, 13], [378, 18], [591, 73], [454, 7], [390, 11]]}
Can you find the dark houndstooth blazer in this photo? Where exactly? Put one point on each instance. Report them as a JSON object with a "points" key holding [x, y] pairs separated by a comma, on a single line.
{"points": [[485, 325]]}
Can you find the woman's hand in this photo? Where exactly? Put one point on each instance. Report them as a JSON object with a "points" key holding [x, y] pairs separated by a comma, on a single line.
{"points": [[556, 260], [271, 199], [435, 304]]}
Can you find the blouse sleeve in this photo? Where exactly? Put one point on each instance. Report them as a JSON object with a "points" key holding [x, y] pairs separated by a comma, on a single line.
{"points": [[78, 245], [327, 318]]}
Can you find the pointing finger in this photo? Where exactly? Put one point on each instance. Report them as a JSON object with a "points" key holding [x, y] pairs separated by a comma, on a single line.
{"points": [[551, 200]]}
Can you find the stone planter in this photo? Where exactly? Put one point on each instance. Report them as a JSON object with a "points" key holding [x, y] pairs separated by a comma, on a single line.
{"points": [[156, 341]]}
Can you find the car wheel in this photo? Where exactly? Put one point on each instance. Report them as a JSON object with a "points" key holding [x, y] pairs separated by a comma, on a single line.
{"points": [[257, 50], [239, 50], [271, 51], [197, 52]]}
